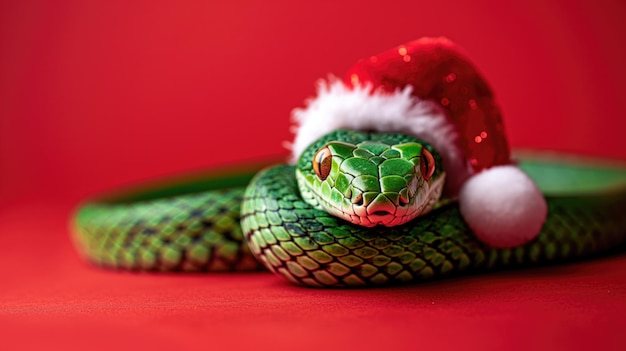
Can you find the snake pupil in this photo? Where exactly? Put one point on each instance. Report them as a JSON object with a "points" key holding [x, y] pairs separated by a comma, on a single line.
{"points": [[427, 164], [322, 162]]}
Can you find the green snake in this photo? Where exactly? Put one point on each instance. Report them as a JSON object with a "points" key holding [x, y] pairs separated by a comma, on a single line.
{"points": [[298, 221]]}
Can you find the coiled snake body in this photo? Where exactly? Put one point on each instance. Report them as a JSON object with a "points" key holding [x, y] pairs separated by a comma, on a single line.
{"points": [[195, 226]]}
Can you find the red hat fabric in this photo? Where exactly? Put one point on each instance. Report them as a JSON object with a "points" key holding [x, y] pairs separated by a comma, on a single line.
{"points": [[428, 88], [437, 71]]}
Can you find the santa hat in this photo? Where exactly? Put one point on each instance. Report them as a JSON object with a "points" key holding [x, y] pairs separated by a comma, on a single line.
{"points": [[427, 88]]}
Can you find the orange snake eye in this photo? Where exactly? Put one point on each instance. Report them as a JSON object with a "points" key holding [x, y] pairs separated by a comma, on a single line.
{"points": [[322, 162], [427, 164]]}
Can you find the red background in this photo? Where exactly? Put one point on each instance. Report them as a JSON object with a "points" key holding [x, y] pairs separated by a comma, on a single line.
{"points": [[94, 95]]}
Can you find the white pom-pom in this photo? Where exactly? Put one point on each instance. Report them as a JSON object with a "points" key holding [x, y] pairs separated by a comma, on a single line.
{"points": [[503, 206]]}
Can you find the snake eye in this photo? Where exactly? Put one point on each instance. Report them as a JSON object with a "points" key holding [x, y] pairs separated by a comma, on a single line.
{"points": [[427, 164], [322, 162]]}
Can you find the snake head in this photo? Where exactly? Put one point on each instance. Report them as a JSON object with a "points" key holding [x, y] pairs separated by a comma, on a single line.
{"points": [[371, 179]]}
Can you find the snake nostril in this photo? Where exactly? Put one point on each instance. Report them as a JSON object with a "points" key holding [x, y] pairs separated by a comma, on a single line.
{"points": [[403, 201], [358, 200]]}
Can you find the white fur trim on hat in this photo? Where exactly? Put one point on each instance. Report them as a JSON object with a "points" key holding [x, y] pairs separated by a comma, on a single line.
{"points": [[338, 106], [503, 206]]}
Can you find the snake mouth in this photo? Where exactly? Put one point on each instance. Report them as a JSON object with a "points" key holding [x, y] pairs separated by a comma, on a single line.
{"points": [[384, 218], [381, 213]]}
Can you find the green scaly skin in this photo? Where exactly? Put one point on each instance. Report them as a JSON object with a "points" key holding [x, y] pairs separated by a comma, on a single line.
{"points": [[195, 228], [374, 179]]}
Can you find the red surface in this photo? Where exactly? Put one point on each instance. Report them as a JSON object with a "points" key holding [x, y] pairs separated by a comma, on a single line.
{"points": [[98, 94]]}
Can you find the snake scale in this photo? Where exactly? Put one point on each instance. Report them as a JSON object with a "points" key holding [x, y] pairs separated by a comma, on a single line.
{"points": [[194, 226]]}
